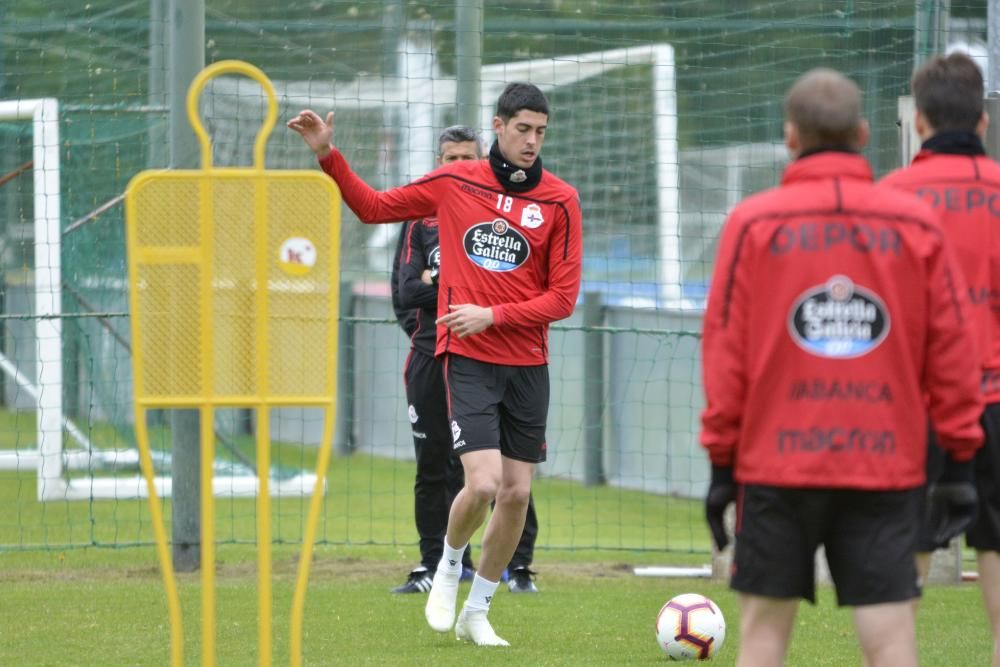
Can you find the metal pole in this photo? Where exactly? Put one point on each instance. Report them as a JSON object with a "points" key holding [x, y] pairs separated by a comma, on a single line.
{"points": [[186, 33], [993, 48], [393, 16], [343, 437], [930, 34], [469, 59], [593, 389], [156, 133], [992, 141], [3, 55], [156, 156], [921, 33]]}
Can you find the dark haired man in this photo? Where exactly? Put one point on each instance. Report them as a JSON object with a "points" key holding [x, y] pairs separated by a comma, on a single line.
{"points": [[807, 293], [954, 175], [511, 252], [439, 472]]}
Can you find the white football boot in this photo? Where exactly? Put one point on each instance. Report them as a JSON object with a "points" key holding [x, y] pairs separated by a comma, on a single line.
{"points": [[473, 626], [440, 608]]}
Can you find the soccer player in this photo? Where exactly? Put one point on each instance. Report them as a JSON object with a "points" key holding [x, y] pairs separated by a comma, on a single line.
{"points": [[835, 308], [511, 252], [953, 174], [439, 473]]}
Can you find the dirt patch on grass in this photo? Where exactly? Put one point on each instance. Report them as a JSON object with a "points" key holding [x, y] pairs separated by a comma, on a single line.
{"points": [[284, 567]]}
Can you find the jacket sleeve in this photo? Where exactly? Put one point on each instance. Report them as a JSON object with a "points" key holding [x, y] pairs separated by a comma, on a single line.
{"points": [[405, 317], [418, 199], [565, 261], [413, 292], [952, 370], [724, 338]]}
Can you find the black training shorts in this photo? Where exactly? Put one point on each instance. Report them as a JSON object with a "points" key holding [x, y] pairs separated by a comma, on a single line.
{"points": [[869, 537], [493, 406], [984, 533]]}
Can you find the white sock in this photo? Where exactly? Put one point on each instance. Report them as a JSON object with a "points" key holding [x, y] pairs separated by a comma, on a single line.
{"points": [[481, 594], [451, 560]]}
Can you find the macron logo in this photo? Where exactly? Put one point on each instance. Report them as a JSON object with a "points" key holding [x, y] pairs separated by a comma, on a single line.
{"points": [[452, 562], [489, 598]]}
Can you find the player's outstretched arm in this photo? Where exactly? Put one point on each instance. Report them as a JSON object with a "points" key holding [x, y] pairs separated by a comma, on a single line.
{"points": [[317, 133], [419, 200]]}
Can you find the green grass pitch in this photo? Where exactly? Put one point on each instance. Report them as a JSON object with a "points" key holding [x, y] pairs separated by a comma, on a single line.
{"points": [[62, 603]]}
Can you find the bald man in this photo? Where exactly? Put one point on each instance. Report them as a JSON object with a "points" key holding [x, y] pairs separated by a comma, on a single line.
{"points": [[835, 307]]}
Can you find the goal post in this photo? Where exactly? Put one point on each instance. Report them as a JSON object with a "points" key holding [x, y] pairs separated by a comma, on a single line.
{"points": [[44, 117], [550, 73], [594, 95], [52, 459]]}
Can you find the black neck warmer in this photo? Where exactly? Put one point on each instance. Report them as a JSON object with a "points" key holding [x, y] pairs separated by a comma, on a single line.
{"points": [[512, 177], [955, 143]]}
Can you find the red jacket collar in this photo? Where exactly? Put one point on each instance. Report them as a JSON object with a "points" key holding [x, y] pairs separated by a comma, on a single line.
{"points": [[828, 164]]}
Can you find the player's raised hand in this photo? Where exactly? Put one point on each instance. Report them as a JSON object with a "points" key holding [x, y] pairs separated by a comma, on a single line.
{"points": [[317, 133], [465, 319]]}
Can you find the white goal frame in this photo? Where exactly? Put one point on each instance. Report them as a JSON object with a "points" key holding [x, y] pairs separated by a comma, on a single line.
{"points": [[44, 116], [425, 93], [51, 460], [547, 73]]}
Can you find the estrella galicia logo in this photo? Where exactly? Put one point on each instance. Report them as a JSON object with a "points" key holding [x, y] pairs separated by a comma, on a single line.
{"points": [[434, 259], [838, 320], [496, 246]]}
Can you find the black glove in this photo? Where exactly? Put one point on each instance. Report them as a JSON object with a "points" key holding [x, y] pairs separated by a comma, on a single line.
{"points": [[721, 492], [951, 502]]}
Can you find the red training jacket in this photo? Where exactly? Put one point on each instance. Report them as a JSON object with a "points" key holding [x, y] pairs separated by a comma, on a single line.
{"points": [[965, 192], [834, 306], [519, 253]]}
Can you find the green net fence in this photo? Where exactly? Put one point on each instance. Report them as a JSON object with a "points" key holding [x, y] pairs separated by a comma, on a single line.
{"points": [[664, 115]]}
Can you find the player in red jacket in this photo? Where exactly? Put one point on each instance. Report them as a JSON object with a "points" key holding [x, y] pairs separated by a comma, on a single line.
{"points": [[511, 252], [953, 174], [835, 306], [415, 270]]}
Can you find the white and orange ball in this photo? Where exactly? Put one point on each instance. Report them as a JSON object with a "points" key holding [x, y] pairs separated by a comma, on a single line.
{"points": [[690, 627]]}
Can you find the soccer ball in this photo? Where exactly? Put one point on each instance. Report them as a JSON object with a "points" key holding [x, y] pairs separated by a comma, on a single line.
{"points": [[690, 627]]}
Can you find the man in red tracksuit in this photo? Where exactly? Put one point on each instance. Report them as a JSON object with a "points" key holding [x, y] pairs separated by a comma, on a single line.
{"points": [[511, 252], [835, 307], [415, 271], [953, 174]]}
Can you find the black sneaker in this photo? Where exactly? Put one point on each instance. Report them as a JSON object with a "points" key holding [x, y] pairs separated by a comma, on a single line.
{"points": [[519, 580], [419, 581]]}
